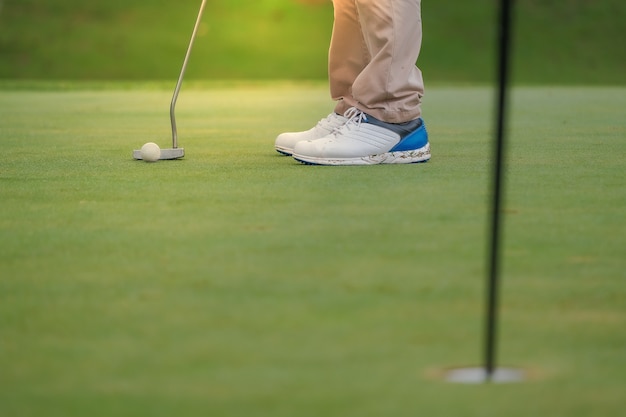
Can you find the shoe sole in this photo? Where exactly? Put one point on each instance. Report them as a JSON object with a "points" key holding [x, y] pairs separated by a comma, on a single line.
{"points": [[284, 151], [413, 156]]}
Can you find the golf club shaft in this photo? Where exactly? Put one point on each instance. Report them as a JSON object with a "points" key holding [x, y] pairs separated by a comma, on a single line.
{"points": [[180, 77]]}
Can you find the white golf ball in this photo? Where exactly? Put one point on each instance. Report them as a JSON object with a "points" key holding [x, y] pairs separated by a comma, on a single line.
{"points": [[150, 152]]}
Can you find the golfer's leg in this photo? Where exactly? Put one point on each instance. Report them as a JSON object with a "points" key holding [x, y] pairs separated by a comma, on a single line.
{"points": [[390, 87], [348, 54]]}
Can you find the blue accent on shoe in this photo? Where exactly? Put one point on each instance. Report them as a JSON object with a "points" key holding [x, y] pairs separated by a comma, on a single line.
{"points": [[414, 140], [413, 134]]}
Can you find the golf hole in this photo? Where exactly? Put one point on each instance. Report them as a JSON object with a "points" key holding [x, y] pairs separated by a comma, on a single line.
{"points": [[478, 375]]}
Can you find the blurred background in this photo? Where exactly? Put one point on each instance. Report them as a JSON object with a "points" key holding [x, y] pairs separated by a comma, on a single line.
{"points": [[557, 41]]}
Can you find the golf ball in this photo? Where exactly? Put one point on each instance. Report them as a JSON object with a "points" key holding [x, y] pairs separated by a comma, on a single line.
{"points": [[150, 152]]}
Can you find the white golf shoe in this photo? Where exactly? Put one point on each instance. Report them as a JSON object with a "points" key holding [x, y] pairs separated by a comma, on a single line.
{"points": [[285, 142], [364, 140]]}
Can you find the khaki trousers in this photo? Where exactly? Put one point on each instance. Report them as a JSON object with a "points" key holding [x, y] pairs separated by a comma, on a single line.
{"points": [[373, 50]]}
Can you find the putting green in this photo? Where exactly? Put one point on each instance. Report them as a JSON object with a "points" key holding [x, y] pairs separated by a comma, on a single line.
{"points": [[239, 282]]}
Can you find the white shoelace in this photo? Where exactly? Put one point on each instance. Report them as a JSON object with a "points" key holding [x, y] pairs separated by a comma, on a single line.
{"points": [[355, 118], [328, 120]]}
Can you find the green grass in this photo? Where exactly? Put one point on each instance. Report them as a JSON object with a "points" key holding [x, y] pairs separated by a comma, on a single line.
{"points": [[138, 40], [236, 282], [555, 42]]}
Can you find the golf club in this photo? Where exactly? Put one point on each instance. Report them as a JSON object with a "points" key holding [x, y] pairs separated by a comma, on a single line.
{"points": [[175, 152]]}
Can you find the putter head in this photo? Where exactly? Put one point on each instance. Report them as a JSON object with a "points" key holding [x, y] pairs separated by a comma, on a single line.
{"points": [[171, 153]]}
